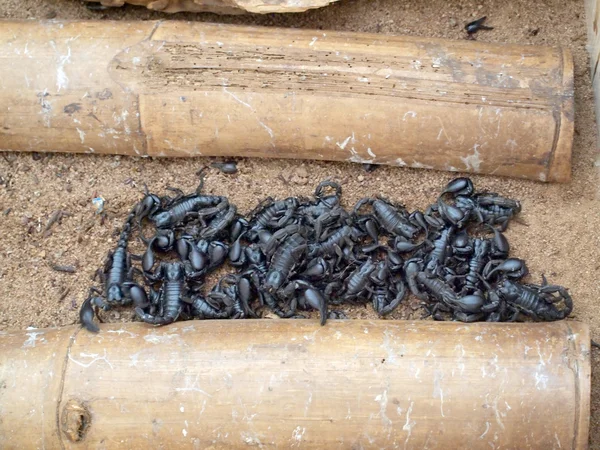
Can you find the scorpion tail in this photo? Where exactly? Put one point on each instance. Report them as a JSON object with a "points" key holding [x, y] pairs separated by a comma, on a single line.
{"points": [[86, 316]]}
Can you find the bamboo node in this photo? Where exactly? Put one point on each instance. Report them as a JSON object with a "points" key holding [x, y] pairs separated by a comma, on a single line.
{"points": [[76, 419]]}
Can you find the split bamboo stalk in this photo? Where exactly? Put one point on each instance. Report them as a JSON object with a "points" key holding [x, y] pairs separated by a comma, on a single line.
{"points": [[184, 89], [288, 384]]}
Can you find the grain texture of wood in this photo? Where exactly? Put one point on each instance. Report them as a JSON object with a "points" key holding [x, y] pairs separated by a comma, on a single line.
{"points": [[223, 6], [185, 89], [592, 12], [288, 384]]}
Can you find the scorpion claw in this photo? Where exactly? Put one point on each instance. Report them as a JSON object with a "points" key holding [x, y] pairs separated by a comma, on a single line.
{"points": [[86, 315], [317, 301]]}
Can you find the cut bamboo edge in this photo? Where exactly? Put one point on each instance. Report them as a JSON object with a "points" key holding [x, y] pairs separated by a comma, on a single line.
{"points": [[194, 89], [278, 383]]}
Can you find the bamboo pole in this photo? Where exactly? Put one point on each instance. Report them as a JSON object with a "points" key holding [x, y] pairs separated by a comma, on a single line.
{"points": [[185, 89], [288, 384], [222, 6]]}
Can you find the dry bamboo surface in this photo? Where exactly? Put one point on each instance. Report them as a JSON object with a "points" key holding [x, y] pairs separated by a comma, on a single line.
{"points": [[184, 89], [288, 384], [223, 6]]}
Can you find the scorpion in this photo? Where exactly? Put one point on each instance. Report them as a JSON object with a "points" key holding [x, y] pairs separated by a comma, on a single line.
{"points": [[116, 279], [272, 214], [235, 292], [200, 308], [441, 250], [386, 294], [393, 219], [171, 212], [332, 244], [535, 301], [466, 308], [356, 285], [287, 255], [169, 299], [490, 209], [310, 297], [326, 211], [219, 223]]}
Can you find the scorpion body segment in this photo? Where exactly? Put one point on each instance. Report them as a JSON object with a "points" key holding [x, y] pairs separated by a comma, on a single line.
{"points": [[476, 265], [334, 242], [170, 296], [394, 220], [444, 293], [219, 223], [284, 259], [441, 250]]}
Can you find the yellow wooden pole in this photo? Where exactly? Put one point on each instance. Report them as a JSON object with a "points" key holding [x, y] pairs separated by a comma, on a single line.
{"points": [[185, 89], [292, 383]]}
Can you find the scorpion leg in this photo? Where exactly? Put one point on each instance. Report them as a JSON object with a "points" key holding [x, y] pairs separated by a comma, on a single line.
{"points": [[468, 318], [336, 315], [285, 218], [563, 295], [387, 309], [360, 204], [206, 212], [436, 314], [100, 275], [179, 194], [156, 320], [516, 312]]}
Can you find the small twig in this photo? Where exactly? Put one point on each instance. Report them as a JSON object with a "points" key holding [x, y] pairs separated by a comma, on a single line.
{"points": [[64, 294], [9, 159], [61, 268], [595, 344], [56, 216], [282, 178]]}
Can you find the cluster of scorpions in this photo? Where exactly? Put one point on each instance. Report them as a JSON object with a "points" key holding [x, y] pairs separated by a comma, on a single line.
{"points": [[300, 254]]}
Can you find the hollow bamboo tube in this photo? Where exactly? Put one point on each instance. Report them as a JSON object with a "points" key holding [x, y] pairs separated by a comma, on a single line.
{"points": [[222, 6], [183, 89], [271, 383]]}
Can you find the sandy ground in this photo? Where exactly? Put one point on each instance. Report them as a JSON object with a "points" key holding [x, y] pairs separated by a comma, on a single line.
{"points": [[560, 237]]}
